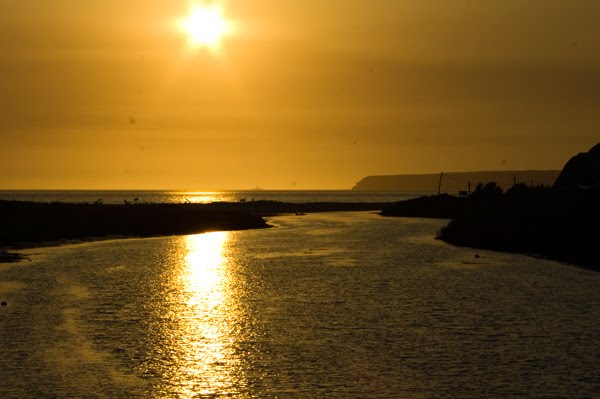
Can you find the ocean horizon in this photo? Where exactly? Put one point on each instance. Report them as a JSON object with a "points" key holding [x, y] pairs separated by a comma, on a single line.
{"points": [[203, 196]]}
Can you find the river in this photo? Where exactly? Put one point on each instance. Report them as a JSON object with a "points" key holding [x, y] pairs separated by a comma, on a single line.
{"points": [[332, 305]]}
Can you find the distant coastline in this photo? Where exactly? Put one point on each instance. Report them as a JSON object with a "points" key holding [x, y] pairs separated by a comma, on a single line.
{"points": [[454, 182]]}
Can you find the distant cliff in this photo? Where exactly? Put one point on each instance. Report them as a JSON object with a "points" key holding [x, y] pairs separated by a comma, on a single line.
{"points": [[454, 181]]}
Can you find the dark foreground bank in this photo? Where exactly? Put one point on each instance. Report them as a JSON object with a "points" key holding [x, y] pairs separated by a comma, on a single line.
{"points": [[561, 225], [442, 206], [24, 224], [558, 225], [29, 223]]}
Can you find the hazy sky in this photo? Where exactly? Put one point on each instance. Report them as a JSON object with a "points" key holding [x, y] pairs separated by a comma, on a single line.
{"points": [[304, 94]]}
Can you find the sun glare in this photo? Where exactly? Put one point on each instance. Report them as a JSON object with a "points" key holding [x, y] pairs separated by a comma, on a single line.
{"points": [[205, 26]]}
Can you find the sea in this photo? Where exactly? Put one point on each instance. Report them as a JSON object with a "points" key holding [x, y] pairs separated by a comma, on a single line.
{"points": [[203, 197], [324, 305]]}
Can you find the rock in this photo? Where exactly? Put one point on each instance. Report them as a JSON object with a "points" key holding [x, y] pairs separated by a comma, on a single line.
{"points": [[582, 172], [3, 303]]}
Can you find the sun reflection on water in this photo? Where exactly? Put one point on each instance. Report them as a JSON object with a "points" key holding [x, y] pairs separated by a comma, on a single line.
{"points": [[206, 362], [206, 197], [205, 260], [200, 197]]}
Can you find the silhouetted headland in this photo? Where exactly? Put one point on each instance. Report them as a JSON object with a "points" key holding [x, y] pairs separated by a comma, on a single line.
{"points": [[453, 182], [560, 222], [581, 173]]}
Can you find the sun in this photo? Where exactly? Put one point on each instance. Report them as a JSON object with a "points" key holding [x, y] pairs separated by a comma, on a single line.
{"points": [[205, 26]]}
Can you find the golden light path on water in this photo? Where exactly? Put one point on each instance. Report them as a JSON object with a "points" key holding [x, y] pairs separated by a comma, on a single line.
{"points": [[206, 361], [203, 197]]}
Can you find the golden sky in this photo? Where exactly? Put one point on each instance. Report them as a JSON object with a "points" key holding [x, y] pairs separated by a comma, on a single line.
{"points": [[301, 94]]}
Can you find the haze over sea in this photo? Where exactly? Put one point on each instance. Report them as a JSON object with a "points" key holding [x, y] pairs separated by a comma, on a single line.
{"points": [[330, 305]]}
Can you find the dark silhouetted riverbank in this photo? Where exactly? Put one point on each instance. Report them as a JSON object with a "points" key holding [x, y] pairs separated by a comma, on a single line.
{"points": [[559, 222], [558, 225], [443, 206], [540, 221], [25, 224]]}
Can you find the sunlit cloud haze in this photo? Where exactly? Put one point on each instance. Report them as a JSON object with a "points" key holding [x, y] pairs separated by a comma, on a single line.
{"points": [[302, 94]]}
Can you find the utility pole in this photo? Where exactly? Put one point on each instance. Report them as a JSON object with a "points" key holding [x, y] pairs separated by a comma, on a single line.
{"points": [[514, 180], [440, 184], [469, 187]]}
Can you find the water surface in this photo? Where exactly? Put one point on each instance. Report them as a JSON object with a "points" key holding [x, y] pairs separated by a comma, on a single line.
{"points": [[336, 305]]}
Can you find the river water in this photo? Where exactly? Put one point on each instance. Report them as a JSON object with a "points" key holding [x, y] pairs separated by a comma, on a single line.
{"points": [[332, 305]]}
